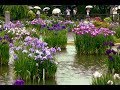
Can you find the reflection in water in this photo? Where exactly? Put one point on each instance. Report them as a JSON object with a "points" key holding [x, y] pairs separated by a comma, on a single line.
{"points": [[72, 69]]}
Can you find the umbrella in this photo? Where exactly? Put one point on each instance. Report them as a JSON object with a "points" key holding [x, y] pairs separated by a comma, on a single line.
{"points": [[89, 6], [30, 7], [46, 8], [56, 11], [56, 5], [37, 7], [73, 6], [119, 7]]}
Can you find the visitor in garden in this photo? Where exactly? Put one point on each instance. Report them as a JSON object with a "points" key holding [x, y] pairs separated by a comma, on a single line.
{"points": [[114, 10], [38, 14], [74, 13], [68, 13]]}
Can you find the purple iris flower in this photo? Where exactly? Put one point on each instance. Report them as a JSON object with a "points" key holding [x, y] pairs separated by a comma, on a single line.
{"points": [[45, 44], [32, 50], [28, 38], [1, 29], [50, 28], [10, 40], [49, 56], [110, 58], [11, 45], [53, 50], [59, 49], [108, 51], [43, 26], [111, 44], [6, 37], [105, 43], [15, 57], [114, 52], [38, 46], [0, 38], [44, 58], [19, 82]]}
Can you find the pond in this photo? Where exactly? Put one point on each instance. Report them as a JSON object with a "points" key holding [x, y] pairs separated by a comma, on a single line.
{"points": [[72, 69]]}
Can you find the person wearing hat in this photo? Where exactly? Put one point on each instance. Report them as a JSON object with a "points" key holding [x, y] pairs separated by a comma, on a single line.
{"points": [[68, 13]]}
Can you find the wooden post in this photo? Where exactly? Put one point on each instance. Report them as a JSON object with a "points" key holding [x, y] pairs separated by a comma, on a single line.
{"points": [[7, 17], [43, 76]]}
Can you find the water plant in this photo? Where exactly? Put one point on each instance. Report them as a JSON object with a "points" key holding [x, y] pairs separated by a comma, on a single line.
{"points": [[105, 79], [56, 36], [38, 24], [89, 39], [113, 61], [32, 57], [68, 23]]}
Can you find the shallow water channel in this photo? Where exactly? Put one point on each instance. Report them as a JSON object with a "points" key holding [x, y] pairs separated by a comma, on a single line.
{"points": [[72, 69]]}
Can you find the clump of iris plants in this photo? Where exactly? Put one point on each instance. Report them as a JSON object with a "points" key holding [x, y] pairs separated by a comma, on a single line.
{"points": [[113, 61], [105, 79], [68, 23], [38, 24], [17, 24], [32, 57], [89, 39], [56, 35]]}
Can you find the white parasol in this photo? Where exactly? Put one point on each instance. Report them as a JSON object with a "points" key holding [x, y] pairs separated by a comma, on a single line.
{"points": [[37, 7], [56, 11], [119, 7], [30, 7], [89, 6], [46, 8]]}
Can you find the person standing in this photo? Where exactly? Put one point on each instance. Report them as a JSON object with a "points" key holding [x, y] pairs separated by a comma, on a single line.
{"points": [[75, 13], [114, 10], [38, 14], [68, 13]]}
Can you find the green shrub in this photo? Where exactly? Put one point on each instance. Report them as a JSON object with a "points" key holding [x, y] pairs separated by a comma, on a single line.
{"points": [[100, 24], [108, 19], [16, 11], [31, 15]]}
